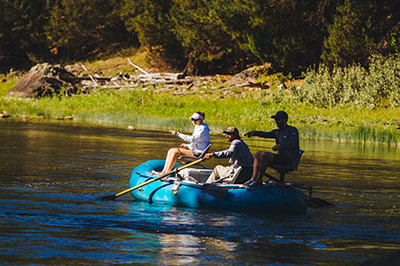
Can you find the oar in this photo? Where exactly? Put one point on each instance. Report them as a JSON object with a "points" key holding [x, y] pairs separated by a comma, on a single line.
{"points": [[113, 197], [318, 203], [311, 201], [215, 190]]}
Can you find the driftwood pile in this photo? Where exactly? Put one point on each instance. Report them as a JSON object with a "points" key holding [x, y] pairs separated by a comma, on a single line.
{"points": [[124, 80], [53, 80], [145, 79]]}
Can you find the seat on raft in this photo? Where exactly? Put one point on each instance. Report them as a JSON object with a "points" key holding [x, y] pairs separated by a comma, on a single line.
{"points": [[194, 158], [230, 179], [284, 169]]}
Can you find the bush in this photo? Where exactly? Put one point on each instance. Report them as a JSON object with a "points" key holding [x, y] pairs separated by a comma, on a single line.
{"points": [[378, 86]]}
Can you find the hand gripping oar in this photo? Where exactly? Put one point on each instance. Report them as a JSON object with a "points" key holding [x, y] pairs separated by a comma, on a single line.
{"points": [[113, 197]]}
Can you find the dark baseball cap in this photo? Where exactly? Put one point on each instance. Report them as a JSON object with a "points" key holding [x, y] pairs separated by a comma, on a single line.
{"points": [[280, 114]]}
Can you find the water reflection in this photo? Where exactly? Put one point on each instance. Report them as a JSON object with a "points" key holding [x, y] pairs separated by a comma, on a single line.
{"points": [[179, 249], [183, 236]]}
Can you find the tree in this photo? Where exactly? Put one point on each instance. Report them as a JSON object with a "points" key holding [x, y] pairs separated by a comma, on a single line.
{"points": [[21, 32], [150, 20], [288, 33], [79, 29], [210, 47], [384, 26], [348, 41]]}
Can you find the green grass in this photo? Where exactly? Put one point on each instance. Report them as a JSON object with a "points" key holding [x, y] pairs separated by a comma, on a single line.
{"points": [[7, 83], [245, 109]]}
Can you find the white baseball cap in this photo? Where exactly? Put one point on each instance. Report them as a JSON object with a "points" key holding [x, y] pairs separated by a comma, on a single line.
{"points": [[196, 116]]}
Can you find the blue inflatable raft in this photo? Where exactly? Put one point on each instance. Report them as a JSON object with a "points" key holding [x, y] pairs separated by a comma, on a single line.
{"points": [[190, 190]]}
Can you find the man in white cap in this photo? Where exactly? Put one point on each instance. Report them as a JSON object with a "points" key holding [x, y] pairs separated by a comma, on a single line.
{"points": [[239, 156], [287, 144]]}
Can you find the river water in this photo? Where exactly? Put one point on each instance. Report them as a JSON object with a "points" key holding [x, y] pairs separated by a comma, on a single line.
{"points": [[52, 174]]}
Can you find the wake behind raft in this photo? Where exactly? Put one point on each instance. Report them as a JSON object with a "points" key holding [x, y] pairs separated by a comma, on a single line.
{"points": [[187, 188]]}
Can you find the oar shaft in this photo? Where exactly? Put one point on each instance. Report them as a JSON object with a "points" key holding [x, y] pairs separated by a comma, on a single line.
{"points": [[190, 164], [138, 186], [159, 177]]}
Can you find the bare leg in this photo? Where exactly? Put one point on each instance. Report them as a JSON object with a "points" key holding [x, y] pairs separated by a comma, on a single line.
{"points": [[172, 157], [261, 161]]}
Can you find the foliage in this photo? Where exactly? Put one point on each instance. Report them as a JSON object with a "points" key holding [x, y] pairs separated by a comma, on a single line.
{"points": [[360, 30], [78, 29], [217, 36], [145, 107], [377, 86], [150, 20], [384, 80], [21, 36], [347, 40], [199, 26], [286, 33]]}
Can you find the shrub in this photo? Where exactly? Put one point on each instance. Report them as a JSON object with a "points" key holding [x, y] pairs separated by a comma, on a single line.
{"points": [[354, 85]]}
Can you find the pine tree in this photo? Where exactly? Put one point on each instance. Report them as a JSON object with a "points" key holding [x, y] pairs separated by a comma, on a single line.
{"points": [[347, 41]]}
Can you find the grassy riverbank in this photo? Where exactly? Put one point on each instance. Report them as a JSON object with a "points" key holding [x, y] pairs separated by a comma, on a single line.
{"points": [[247, 109]]}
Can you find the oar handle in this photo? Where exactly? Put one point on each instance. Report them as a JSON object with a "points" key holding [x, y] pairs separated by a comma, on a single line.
{"points": [[159, 177]]}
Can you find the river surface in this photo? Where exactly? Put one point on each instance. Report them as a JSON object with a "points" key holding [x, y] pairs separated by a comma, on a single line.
{"points": [[52, 174]]}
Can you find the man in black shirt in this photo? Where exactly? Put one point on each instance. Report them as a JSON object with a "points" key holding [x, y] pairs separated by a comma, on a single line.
{"points": [[287, 144]]}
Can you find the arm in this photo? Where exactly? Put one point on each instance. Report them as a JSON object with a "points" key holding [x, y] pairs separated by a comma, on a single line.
{"points": [[199, 133], [226, 153], [262, 134], [175, 133]]}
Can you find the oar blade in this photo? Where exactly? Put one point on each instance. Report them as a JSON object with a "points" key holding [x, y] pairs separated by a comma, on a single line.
{"points": [[216, 191], [318, 203], [109, 197]]}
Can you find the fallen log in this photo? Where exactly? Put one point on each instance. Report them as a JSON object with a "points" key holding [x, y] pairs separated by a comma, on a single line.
{"points": [[90, 76], [130, 62]]}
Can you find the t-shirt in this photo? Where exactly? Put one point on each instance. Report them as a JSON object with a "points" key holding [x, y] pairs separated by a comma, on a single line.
{"points": [[238, 153], [287, 137]]}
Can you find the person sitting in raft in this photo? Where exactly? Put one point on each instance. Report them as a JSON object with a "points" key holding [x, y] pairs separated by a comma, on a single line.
{"points": [[239, 156], [198, 142], [287, 144]]}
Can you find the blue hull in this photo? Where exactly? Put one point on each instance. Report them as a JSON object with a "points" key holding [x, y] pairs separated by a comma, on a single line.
{"points": [[270, 198]]}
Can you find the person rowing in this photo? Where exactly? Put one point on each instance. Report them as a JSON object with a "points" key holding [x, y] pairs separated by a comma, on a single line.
{"points": [[239, 156]]}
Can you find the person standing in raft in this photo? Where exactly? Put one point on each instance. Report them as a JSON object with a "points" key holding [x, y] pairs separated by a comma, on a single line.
{"points": [[198, 142], [239, 156], [287, 144]]}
